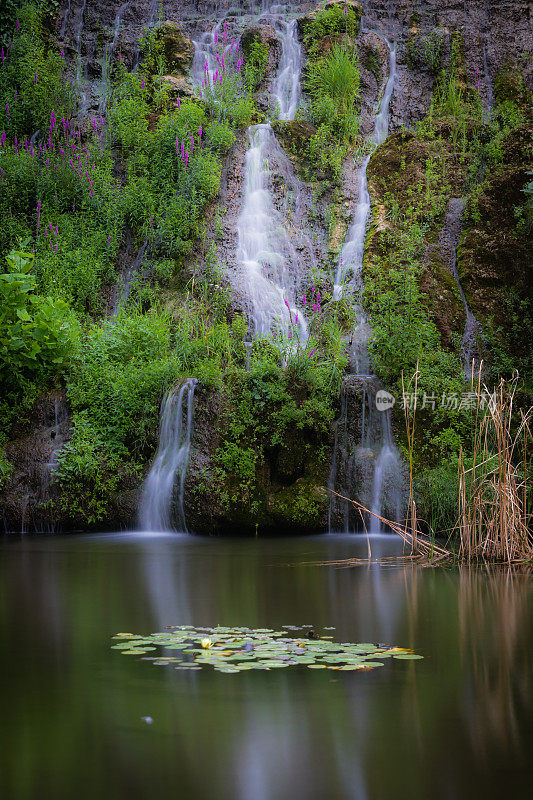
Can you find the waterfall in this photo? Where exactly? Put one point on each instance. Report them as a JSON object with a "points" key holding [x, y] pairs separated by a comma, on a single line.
{"points": [[80, 66], [286, 90], [264, 249], [205, 49], [170, 463], [261, 245], [488, 83], [109, 53], [152, 11], [65, 21], [375, 463], [123, 287]]}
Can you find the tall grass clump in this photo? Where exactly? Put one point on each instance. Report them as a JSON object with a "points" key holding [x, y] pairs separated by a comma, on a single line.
{"points": [[494, 517], [334, 83]]}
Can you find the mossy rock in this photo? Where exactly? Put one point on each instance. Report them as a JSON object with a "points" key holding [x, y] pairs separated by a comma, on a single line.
{"points": [[398, 164], [303, 505], [495, 254], [177, 47], [509, 86], [294, 136]]}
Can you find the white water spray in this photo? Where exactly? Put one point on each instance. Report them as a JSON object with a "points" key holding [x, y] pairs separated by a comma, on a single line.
{"points": [[169, 467]]}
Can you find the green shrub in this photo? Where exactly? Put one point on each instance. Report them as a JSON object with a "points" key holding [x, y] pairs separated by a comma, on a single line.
{"points": [[220, 136], [255, 64], [333, 84], [38, 335], [33, 81], [334, 21]]}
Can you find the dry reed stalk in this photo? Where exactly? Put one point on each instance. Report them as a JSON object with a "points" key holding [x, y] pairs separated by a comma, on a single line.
{"points": [[493, 519], [420, 545], [493, 522]]}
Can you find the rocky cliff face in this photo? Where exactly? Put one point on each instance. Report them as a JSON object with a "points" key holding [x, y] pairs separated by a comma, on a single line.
{"points": [[497, 36]]}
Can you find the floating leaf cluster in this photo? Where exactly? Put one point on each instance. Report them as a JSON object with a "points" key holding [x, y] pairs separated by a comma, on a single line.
{"points": [[232, 650]]}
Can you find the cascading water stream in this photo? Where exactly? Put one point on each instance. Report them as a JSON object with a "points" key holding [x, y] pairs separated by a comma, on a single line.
{"points": [[109, 53], [169, 467], [80, 65], [376, 431], [65, 21], [264, 249]]}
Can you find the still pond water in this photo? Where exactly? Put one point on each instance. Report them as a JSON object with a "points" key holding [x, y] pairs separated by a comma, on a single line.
{"points": [[458, 724]]}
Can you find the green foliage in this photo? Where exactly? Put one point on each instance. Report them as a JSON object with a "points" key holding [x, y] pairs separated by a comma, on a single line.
{"points": [[332, 22], [511, 344], [220, 136], [38, 335], [333, 83], [33, 81], [425, 52], [528, 213], [88, 473], [128, 114], [227, 100], [255, 64], [6, 468], [438, 495]]}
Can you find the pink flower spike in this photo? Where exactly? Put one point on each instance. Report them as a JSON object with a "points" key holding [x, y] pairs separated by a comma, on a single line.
{"points": [[311, 353], [287, 304]]}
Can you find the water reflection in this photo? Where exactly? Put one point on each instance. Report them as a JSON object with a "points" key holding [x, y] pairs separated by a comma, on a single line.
{"points": [[73, 708]]}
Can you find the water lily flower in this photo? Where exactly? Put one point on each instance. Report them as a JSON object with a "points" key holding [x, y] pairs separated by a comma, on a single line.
{"points": [[206, 643]]}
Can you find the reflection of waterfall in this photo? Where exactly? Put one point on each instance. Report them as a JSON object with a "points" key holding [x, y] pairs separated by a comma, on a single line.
{"points": [[373, 468], [170, 463]]}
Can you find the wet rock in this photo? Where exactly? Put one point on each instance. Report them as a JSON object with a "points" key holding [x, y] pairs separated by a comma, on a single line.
{"points": [[495, 255]]}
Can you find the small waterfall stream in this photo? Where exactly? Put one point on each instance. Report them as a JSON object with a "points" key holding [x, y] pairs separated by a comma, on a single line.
{"points": [[448, 244], [169, 467], [375, 465], [80, 64], [109, 52]]}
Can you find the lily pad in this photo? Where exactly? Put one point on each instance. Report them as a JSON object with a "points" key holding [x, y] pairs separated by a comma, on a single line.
{"points": [[232, 650]]}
